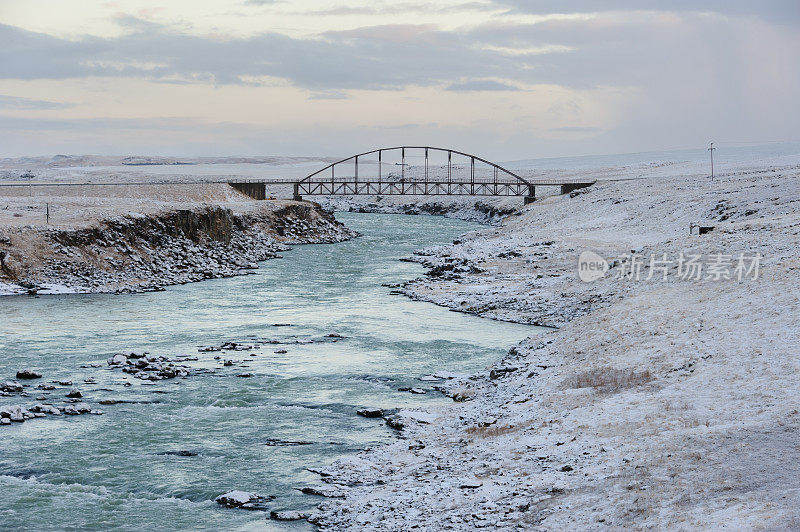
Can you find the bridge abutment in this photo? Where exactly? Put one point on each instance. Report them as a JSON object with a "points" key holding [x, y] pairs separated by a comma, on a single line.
{"points": [[254, 190], [566, 188], [531, 197]]}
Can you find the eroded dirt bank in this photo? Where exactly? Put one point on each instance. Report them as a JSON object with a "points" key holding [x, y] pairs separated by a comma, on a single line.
{"points": [[111, 248], [670, 401]]}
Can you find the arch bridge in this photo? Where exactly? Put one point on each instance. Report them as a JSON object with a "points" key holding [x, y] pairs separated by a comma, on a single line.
{"points": [[435, 171]]}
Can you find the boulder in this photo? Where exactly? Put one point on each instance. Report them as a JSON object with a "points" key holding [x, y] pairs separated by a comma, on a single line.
{"points": [[10, 386], [370, 412], [395, 422], [329, 491], [238, 499], [118, 360], [288, 515], [28, 374], [14, 413], [74, 394], [45, 409], [77, 409], [496, 373]]}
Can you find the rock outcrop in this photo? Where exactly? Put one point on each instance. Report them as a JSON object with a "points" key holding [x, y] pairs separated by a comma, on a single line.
{"points": [[146, 252]]}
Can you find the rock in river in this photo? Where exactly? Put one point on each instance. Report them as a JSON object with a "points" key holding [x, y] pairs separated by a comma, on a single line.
{"points": [[28, 374], [370, 412], [241, 499], [14, 413], [74, 394], [329, 491], [77, 409], [288, 515], [118, 360], [10, 386]]}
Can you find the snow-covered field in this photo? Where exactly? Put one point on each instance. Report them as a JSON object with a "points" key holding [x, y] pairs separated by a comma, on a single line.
{"points": [[658, 403]]}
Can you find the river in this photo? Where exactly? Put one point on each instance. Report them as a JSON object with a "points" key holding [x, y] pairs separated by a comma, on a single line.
{"points": [[115, 471]]}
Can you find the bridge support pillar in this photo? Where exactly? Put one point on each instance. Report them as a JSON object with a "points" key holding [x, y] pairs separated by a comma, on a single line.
{"points": [[296, 196], [531, 197]]}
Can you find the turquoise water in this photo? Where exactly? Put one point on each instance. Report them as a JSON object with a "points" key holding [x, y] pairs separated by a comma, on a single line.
{"points": [[111, 471]]}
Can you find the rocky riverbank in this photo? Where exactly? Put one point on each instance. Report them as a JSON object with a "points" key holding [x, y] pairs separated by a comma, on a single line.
{"points": [[666, 398], [120, 251], [484, 210]]}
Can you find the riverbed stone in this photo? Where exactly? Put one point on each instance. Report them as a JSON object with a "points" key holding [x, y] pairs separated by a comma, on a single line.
{"points": [[238, 499], [28, 374], [395, 422], [10, 387], [74, 394], [329, 491], [77, 409], [15, 413], [46, 409], [118, 360], [370, 412], [288, 515]]}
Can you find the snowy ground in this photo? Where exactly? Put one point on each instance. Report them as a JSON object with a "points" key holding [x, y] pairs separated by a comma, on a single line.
{"points": [[656, 403]]}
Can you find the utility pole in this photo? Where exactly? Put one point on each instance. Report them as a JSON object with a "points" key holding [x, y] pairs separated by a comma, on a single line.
{"points": [[711, 150]]}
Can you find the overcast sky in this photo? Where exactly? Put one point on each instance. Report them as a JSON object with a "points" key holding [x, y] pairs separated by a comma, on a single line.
{"points": [[506, 79]]}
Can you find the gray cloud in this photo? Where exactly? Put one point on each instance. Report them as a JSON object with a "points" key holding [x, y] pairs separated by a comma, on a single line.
{"points": [[620, 49], [684, 74], [388, 57], [395, 8], [781, 11], [329, 95], [14, 102], [481, 85], [576, 129]]}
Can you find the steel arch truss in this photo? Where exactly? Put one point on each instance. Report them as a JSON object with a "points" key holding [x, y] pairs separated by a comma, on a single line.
{"points": [[452, 182]]}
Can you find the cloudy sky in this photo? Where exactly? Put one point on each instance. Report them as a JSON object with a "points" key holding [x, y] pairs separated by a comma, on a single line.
{"points": [[508, 79]]}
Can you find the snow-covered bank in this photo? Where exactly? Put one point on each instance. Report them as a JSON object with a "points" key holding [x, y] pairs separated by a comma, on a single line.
{"points": [[148, 243], [668, 401]]}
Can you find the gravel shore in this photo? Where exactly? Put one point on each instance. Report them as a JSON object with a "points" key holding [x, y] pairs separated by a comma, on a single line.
{"points": [[667, 400]]}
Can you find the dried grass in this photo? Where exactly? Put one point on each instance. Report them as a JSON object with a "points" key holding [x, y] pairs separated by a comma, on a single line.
{"points": [[605, 379], [497, 430]]}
